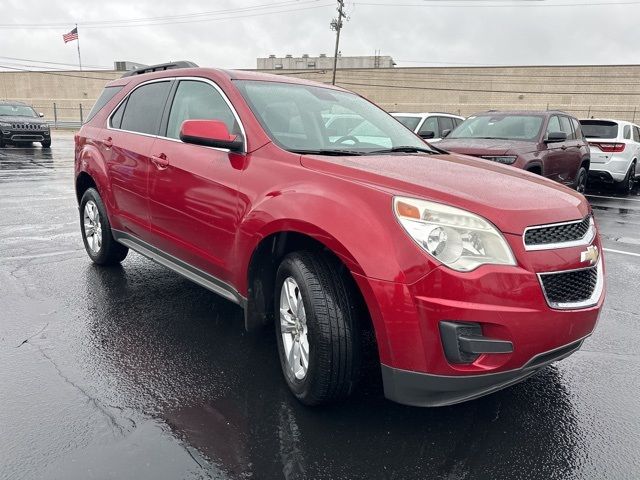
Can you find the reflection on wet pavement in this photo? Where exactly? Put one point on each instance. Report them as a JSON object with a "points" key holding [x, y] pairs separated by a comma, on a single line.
{"points": [[133, 372]]}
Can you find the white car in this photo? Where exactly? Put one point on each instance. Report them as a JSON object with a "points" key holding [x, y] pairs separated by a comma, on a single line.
{"points": [[615, 150], [430, 126]]}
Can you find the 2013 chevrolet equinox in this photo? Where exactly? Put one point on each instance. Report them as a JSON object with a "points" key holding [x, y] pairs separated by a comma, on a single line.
{"points": [[472, 275]]}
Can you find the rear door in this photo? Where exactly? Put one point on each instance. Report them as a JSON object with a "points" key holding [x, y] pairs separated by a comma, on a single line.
{"points": [[131, 132], [192, 191], [554, 153], [571, 157]]}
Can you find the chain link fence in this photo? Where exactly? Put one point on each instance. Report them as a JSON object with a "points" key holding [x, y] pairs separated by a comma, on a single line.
{"points": [[65, 114]]}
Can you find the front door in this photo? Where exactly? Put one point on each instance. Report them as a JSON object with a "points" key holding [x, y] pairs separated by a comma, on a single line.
{"points": [[192, 188]]}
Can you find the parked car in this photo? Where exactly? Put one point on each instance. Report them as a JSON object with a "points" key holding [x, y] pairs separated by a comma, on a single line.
{"points": [[20, 124], [615, 150], [430, 126], [548, 143], [468, 276]]}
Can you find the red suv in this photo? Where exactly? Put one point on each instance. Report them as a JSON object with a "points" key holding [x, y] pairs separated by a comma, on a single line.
{"points": [[232, 179], [548, 143]]}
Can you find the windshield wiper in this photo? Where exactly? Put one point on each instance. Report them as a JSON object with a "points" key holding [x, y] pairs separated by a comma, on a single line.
{"points": [[405, 149], [336, 153]]}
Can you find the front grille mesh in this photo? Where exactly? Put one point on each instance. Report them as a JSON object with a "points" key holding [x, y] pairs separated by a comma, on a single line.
{"points": [[570, 287], [567, 232]]}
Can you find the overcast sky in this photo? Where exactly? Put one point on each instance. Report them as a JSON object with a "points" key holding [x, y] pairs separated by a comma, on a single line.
{"points": [[413, 32]]}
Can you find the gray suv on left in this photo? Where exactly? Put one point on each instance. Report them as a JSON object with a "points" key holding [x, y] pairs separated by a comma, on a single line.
{"points": [[21, 124]]}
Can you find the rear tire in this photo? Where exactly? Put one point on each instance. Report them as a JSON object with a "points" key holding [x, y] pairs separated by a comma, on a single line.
{"points": [[96, 231], [581, 182], [626, 185], [326, 321]]}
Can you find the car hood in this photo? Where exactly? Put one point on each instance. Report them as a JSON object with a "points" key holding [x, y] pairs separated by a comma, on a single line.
{"points": [[11, 119], [510, 198], [485, 146]]}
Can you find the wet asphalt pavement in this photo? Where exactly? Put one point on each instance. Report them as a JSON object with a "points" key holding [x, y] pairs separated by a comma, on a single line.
{"points": [[135, 373]]}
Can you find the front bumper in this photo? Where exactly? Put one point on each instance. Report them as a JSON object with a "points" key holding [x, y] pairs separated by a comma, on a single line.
{"points": [[508, 304], [12, 136], [425, 390]]}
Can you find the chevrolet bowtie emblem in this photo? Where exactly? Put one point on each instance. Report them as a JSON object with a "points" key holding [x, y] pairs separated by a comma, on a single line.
{"points": [[591, 255]]}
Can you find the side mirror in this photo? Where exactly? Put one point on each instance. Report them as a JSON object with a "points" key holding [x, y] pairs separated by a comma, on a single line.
{"points": [[41, 114], [446, 132], [210, 133], [427, 134], [555, 137]]}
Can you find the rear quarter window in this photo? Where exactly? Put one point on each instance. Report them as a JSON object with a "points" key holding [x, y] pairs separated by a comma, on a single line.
{"points": [[107, 94], [599, 129]]}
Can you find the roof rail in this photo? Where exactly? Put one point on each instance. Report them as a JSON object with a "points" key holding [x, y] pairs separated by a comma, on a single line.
{"points": [[160, 67]]}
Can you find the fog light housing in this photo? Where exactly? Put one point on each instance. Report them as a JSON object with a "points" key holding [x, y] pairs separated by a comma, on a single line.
{"points": [[463, 342]]}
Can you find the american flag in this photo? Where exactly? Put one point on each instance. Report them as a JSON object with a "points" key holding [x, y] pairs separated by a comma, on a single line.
{"points": [[71, 36]]}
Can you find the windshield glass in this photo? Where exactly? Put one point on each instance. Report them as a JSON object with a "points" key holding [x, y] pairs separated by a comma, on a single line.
{"points": [[17, 111], [500, 126], [599, 129], [308, 118], [410, 122]]}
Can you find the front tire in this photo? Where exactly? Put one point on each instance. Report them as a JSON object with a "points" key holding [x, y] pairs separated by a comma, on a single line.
{"points": [[626, 185], [46, 143], [96, 231], [316, 328]]}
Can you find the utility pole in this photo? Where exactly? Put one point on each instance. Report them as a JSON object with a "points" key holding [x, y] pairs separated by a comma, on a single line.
{"points": [[336, 24]]}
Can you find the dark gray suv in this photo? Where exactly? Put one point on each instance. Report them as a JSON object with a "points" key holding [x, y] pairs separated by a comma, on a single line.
{"points": [[20, 124]]}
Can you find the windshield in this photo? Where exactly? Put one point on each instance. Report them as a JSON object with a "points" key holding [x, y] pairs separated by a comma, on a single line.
{"points": [[500, 126], [303, 118], [410, 122], [599, 129], [17, 111]]}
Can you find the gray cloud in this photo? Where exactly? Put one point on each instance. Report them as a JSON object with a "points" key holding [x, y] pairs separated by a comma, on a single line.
{"points": [[511, 35]]}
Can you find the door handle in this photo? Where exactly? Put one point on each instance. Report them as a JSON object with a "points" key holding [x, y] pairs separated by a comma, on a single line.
{"points": [[108, 143], [160, 161]]}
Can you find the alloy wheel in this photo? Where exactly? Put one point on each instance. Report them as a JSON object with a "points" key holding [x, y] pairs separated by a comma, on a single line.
{"points": [[92, 226], [293, 328]]}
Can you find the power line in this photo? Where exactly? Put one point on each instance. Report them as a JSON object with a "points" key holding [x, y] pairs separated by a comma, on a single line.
{"points": [[57, 74], [485, 5], [177, 19], [53, 63]]}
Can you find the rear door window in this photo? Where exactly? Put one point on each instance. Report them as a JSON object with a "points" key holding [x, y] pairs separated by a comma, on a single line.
{"points": [[565, 126], [577, 129], [599, 128], [144, 108], [627, 132], [195, 100], [636, 134]]}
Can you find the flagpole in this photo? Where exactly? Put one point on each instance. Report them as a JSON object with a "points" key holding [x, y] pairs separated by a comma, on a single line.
{"points": [[79, 58]]}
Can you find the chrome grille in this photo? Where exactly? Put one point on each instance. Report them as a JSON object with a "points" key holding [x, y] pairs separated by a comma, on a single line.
{"points": [[559, 234], [26, 126]]}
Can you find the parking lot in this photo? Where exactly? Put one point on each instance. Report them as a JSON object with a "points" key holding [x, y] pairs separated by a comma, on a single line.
{"points": [[135, 372]]}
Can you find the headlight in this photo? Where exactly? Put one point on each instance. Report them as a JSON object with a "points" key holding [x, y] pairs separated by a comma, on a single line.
{"points": [[506, 159], [459, 239], [5, 125], [44, 126]]}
